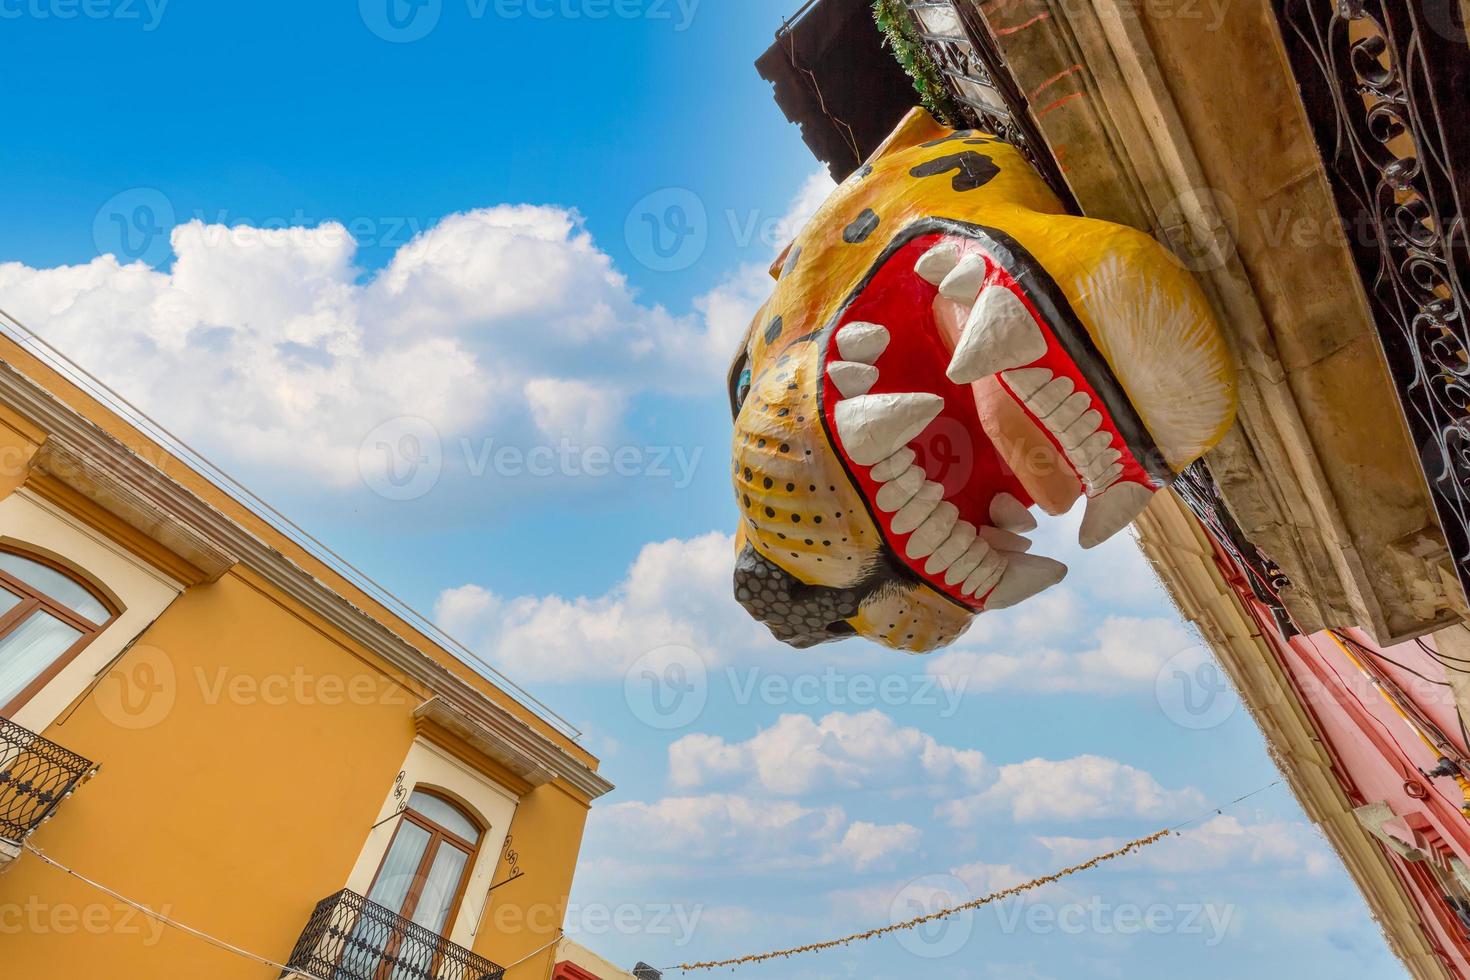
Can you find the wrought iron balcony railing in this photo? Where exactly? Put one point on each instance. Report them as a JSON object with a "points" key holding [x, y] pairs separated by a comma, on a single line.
{"points": [[351, 938], [35, 776]]}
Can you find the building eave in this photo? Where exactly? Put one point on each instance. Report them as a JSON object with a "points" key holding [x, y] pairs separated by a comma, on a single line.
{"points": [[94, 462]]}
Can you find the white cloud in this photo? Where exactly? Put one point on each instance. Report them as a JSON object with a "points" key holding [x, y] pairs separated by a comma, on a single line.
{"points": [[1222, 843], [798, 755], [274, 347], [584, 413], [757, 834], [676, 592], [1125, 653], [1087, 787], [866, 845]]}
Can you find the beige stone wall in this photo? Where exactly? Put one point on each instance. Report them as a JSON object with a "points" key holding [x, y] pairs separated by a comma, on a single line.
{"points": [[1181, 118]]}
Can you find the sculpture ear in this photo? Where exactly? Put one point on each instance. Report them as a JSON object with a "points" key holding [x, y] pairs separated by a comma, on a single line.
{"points": [[780, 262], [915, 128]]}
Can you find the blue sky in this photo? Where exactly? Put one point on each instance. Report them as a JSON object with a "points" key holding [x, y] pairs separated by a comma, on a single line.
{"points": [[404, 288]]}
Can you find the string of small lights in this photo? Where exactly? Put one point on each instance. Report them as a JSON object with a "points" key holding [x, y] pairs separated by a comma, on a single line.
{"points": [[858, 937], [1127, 848]]}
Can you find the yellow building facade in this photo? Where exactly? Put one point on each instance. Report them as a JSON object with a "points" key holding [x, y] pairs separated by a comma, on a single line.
{"points": [[269, 745]]}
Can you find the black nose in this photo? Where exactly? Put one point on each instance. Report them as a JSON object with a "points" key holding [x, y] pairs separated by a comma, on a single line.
{"points": [[796, 613]]}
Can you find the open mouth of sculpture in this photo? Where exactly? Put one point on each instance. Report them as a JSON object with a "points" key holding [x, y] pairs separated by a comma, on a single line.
{"points": [[956, 390]]}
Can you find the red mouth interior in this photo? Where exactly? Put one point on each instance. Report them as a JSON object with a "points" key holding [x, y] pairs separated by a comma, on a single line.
{"points": [[954, 450]]}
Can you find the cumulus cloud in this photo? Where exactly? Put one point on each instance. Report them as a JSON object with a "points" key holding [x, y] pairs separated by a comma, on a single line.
{"points": [[1124, 653], [676, 592], [273, 346], [749, 832], [1087, 787], [799, 755], [1221, 843]]}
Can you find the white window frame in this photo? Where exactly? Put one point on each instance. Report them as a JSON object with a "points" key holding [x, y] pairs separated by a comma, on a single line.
{"points": [[30, 523], [429, 766]]}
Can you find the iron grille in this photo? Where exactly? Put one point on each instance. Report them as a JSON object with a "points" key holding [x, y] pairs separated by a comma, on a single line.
{"points": [[35, 776], [351, 938], [1386, 87]]}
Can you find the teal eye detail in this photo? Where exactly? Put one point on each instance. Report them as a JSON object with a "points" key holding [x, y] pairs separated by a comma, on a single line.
{"points": [[742, 387]]}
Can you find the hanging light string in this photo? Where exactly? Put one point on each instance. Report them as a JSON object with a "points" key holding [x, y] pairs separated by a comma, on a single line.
{"points": [[858, 937], [1128, 848], [1004, 893]]}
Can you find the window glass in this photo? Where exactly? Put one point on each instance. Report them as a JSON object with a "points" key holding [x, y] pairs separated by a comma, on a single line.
{"points": [[396, 876], [444, 814], [440, 888], [30, 648], [8, 600], [53, 584]]}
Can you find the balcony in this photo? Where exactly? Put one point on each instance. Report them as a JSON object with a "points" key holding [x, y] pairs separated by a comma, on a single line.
{"points": [[36, 775], [350, 938]]}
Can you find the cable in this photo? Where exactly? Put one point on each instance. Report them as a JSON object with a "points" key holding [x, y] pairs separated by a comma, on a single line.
{"points": [[196, 933], [1128, 848], [1125, 849]]}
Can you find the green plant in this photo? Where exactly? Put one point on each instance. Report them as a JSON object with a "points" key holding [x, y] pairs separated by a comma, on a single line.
{"points": [[901, 33]]}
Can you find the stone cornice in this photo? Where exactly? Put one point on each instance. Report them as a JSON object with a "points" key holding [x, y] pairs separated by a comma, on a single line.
{"points": [[97, 464]]}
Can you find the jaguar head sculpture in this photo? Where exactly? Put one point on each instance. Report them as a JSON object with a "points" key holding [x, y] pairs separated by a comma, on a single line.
{"points": [[946, 354]]}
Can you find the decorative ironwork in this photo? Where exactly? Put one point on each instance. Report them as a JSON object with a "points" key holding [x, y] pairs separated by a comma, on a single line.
{"points": [[35, 776], [1386, 86], [980, 82], [1196, 487], [351, 938]]}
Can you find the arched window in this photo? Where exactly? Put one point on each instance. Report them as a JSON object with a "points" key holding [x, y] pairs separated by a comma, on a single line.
{"points": [[424, 872], [47, 615]]}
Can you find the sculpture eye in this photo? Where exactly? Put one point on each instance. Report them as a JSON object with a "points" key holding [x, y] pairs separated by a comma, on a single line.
{"points": [[739, 384]]}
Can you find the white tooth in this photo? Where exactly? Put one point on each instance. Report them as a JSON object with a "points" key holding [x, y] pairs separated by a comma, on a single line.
{"points": [[1092, 445], [1103, 460], [933, 532], [1026, 381], [964, 281], [1111, 511], [1045, 401], [859, 341], [1004, 540], [893, 467], [938, 262], [895, 493], [1068, 412], [917, 510], [983, 577], [874, 427], [852, 378], [1024, 577], [1009, 513], [1000, 334], [977, 552], [948, 553], [1106, 478], [1087, 423]]}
